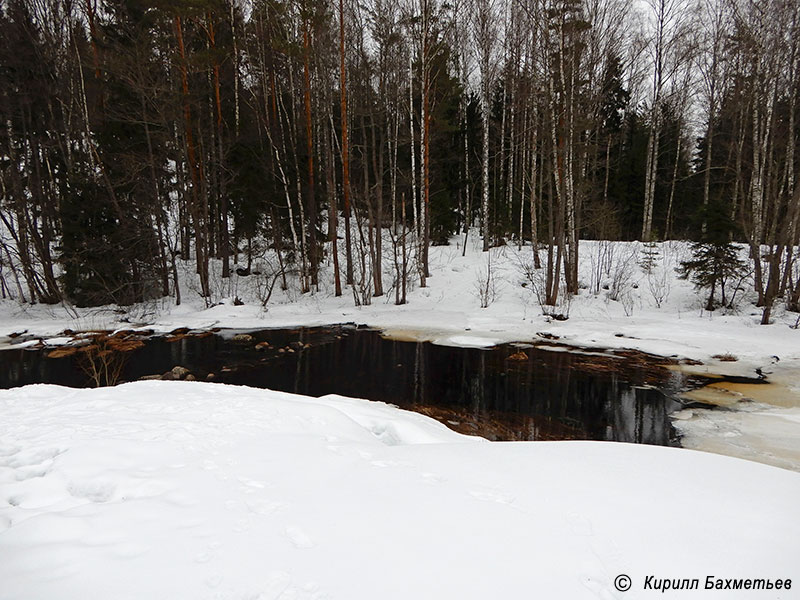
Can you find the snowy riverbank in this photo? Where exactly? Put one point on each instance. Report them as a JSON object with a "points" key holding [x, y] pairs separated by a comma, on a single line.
{"points": [[230, 492], [655, 312], [619, 305]]}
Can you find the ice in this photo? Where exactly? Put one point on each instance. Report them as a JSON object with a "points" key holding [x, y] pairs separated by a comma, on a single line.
{"points": [[753, 431]]}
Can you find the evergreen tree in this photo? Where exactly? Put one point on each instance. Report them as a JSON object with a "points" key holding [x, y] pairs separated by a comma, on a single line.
{"points": [[445, 145], [714, 259], [650, 255], [109, 248]]}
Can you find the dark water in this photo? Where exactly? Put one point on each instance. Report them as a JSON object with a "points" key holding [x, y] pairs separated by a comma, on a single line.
{"points": [[540, 395]]}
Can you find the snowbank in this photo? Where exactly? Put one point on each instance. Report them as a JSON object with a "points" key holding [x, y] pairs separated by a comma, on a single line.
{"points": [[655, 312], [190, 490]]}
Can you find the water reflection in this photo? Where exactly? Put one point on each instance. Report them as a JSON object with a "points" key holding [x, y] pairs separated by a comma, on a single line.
{"points": [[498, 393]]}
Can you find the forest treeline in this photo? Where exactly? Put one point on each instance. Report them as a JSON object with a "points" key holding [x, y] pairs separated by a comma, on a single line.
{"points": [[138, 133]]}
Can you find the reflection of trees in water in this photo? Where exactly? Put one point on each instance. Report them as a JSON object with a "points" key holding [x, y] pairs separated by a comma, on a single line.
{"points": [[477, 387], [545, 397], [640, 416], [551, 395]]}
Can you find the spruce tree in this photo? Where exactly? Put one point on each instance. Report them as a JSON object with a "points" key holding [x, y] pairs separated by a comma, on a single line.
{"points": [[714, 258], [649, 256]]}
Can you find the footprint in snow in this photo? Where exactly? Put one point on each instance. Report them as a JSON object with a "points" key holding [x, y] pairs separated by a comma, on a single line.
{"points": [[299, 538], [433, 478], [275, 585], [16, 458], [94, 491], [25, 473], [208, 553], [389, 463], [8, 450], [264, 508], [279, 586], [491, 496], [251, 485]]}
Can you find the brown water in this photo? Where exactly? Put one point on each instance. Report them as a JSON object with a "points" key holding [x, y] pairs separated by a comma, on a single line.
{"points": [[506, 392]]}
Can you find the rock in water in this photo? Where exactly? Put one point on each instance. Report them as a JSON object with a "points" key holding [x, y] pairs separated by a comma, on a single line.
{"points": [[149, 377], [180, 372]]}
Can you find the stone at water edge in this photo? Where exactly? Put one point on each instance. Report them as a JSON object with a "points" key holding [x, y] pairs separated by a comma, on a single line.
{"points": [[180, 372]]}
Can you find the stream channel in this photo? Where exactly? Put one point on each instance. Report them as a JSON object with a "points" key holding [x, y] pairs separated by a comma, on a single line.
{"points": [[506, 392]]}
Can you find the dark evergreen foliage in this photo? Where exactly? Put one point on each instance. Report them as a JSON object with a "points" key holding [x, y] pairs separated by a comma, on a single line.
{"points": [[715, 259]]}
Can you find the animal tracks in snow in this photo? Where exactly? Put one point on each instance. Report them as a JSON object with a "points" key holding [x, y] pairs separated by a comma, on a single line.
{"points": [[264, 508], [493, 496], [433, 478], [92, 490], [28, 464], [32, 472], [129, 511], [299, 538], [208, 553]]}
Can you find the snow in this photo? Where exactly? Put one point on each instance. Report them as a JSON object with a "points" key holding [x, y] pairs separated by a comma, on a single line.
{"points": [[192, 490], [448, 310], [656, 313], [58, 341]]}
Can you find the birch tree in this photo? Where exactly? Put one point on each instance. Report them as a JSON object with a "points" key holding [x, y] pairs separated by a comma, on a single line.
{"points": [[484, 19]]}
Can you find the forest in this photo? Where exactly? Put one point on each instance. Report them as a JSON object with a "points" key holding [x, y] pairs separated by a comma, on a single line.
{"points": [[355, 135]]}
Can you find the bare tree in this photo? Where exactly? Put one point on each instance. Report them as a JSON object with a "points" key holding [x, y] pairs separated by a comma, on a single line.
{"points": [[669, 20], [484, 19]]}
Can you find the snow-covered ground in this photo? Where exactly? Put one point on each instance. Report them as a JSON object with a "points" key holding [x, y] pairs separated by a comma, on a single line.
{"points": [[187, 490], [656, 312]]}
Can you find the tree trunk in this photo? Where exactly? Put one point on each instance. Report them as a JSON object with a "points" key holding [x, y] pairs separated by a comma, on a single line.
{"points": [[197, 213], [312, 201], [223, 208], [533, 199], [485, 166], [345, 150]]}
